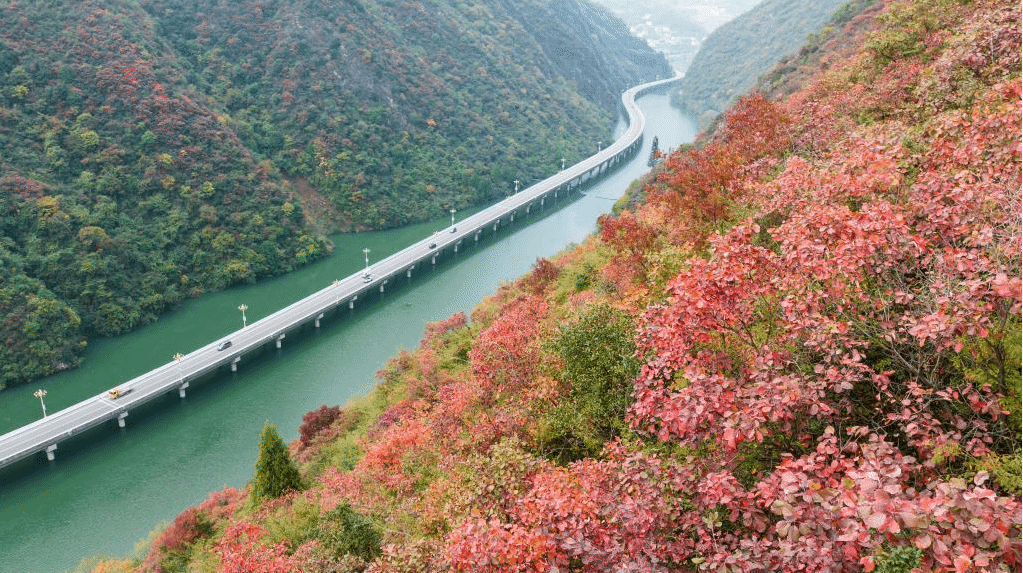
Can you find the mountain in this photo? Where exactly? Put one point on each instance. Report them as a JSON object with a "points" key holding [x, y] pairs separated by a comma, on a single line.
{"points": [[157, 149], [733, 56], [800, 353], [676, 28]]}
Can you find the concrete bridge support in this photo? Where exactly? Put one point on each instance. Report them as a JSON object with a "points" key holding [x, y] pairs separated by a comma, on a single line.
{"points": [[433, 260], [382, 285], [476, 237], [408, 273], [181, 389], [120, 419], [278, 340], [49, 452], [237, 359], [351, 303]]}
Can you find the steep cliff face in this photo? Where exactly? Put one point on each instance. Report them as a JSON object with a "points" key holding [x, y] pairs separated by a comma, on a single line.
{"points": [[157, 149], [736, 54]]}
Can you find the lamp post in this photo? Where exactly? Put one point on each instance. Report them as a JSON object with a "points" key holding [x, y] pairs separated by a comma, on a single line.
{"points": [[243, 308], [366, 252], [39, 394], [337, 291], [599, 144], [452, 217], [562, 163], [181, 373], [516, 185]]}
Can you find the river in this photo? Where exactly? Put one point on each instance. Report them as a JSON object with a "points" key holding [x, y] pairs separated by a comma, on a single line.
{"points": [[109, 489]]}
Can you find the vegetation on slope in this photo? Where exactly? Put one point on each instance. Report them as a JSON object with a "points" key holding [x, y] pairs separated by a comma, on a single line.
{"points": [[825, 301], [154, 150], [735, 55]]}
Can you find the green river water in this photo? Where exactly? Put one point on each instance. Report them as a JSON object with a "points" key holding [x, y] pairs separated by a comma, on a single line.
{"points": [[111, 487]]}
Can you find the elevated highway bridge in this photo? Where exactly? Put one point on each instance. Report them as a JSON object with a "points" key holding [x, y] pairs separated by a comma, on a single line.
{"points": [[45, 434]]}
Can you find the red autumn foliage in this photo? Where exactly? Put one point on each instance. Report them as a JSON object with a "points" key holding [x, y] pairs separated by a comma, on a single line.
{"points": [[505, 356], [543, 274], [191, 525], [315, 421], [241, 550], [632, 239], [440, 327], [819, 380]]}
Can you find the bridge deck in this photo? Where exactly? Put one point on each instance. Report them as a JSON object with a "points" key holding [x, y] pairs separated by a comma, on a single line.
{"points": [[45, 433]]}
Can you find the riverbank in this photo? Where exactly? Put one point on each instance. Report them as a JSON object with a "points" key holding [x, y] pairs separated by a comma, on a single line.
{"points": [[173, 457]]}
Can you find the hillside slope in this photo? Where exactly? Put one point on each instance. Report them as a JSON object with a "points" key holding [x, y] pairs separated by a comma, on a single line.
{"points": [[155, 150], [800, 353], [675, 28], [733, 56]]}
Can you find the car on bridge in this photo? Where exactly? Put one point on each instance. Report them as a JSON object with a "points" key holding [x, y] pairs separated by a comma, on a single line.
{"points": [[224, 345]]}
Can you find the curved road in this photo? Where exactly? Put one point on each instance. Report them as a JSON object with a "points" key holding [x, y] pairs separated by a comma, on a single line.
{"points": [[46, 433]]}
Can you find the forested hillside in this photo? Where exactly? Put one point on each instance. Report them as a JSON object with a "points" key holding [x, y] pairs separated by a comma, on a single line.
{"points": [[158, 149], [800, 352], [735, 55]]}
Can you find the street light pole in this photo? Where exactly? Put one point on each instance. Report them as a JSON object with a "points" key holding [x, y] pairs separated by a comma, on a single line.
{"points": [[366, 252], [243, 308], [516, 185], [181, 373], [452, 217], [562, 163], [337, 291], [599, 144], [39, 394]]}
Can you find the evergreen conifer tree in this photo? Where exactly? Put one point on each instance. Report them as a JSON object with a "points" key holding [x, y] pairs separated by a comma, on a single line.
{"points": [[275, 473]]}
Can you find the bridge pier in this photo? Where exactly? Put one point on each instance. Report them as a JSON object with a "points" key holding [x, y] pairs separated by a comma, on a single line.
{"points": [[280, 337], [382, 285], [477, 236], [120, 419], [495, 225], [351, 303], [433, 260], [512, 217], [316, 322], [528, 205], [181, 389], [408, 273], [456, 246], [541, 201], [234, 363], [49, 452]]}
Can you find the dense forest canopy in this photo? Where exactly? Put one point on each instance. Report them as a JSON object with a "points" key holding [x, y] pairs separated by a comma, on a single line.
{"points": [[800, 351], [158, 149]]}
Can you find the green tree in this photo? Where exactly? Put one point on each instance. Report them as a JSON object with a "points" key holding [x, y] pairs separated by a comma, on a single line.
{"points": [[276, 473], [344, 531], [598, 353]]}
